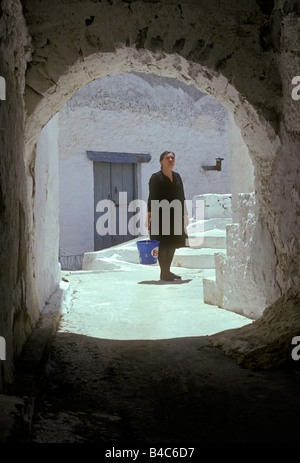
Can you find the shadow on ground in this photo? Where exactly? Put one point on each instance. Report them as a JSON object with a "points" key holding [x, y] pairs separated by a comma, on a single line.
{"points": [[164, 391], [162, 282]]}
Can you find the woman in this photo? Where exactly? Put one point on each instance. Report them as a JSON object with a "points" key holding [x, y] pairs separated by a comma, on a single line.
{"points": [[167, 185]]}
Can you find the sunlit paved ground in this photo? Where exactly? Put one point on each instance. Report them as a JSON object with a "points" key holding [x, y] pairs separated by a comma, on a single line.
{"points": [[132, 303]]}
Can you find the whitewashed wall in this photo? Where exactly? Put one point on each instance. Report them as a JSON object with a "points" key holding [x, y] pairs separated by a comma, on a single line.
{"points": [[136, 113], [46, 241], [241, 167]]}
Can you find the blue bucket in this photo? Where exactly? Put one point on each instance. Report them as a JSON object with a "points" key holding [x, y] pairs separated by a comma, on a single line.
{"points": [[148, 251]]}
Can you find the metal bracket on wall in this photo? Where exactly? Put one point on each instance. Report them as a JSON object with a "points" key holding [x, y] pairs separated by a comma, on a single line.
{"points": [[218, 165]]}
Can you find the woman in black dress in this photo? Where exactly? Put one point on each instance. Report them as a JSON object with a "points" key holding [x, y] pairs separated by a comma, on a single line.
{"points": [[168, 228]]}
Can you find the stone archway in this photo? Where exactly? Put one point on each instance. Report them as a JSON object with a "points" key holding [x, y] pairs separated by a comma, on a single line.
{"points": [[259, 135], [193, 43], [245, 54], [257, 132]]}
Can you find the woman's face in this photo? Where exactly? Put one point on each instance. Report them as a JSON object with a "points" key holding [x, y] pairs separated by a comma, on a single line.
{"points": [[168, 161]]}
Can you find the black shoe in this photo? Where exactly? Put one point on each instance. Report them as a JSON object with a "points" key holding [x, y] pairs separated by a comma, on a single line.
{"points": [[168, 277], [176, 277]]}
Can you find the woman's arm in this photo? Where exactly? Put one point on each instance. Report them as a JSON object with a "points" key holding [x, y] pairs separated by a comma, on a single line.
{"points": [[185, 211], [150, 197]]}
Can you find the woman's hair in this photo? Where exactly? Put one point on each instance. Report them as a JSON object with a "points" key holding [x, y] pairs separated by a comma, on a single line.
{"points": [[164, 153]]}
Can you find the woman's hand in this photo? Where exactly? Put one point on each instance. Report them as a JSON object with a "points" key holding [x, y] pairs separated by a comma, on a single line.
{"points": [[147, 223], [186, 220]]}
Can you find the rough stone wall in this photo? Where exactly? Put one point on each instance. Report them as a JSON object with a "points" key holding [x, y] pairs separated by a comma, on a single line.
{"points": [[280, 201], [209, 45], [201, 32], [18, 309]]}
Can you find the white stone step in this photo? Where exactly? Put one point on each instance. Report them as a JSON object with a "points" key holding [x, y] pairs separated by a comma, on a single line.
{"points": [[215, 239], [196, 258], [210, 295], [184, 257], [209, 224]]}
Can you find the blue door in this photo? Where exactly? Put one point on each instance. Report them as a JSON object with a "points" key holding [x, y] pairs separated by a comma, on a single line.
{"points": [[111, 181]]}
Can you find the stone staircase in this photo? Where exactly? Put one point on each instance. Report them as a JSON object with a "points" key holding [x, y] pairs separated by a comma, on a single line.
{"points": [[206, 237]]}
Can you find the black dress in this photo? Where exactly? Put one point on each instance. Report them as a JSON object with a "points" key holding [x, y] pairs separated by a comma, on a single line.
{"points": [[160, 188]]}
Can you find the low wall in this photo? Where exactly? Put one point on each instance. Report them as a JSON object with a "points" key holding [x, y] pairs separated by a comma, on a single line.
{"points": [[244, 277]]}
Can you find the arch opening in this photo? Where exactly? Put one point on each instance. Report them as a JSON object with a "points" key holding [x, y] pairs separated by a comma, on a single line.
{"points": [[262, 147]]}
